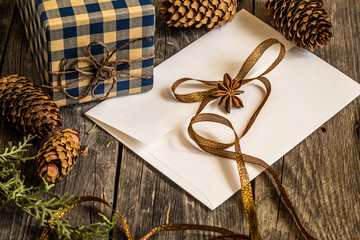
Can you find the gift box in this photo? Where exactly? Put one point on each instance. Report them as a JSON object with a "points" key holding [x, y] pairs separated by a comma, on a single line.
{"points": [[60, 33]]}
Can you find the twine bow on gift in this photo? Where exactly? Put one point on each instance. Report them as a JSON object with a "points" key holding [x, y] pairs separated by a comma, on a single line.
{"points": [[98, 72], [228, 90]]}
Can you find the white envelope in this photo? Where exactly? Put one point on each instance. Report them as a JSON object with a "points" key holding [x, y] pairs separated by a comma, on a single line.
{"points": [[306, 92]]}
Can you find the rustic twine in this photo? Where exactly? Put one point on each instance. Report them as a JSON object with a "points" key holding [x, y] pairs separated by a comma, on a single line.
{"points": [[99, 71]]}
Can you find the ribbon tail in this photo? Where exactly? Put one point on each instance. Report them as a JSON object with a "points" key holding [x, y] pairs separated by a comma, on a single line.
{"points": [[225, 234], [182, 227], [47, 232], [237, 236], [133, 76], [248, 200], [281, 191], [143, 59]]}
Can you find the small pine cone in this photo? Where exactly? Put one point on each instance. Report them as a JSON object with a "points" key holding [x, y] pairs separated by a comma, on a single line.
{"points": [[186, 13], [27, 107], [57, 157], [304, 22]]}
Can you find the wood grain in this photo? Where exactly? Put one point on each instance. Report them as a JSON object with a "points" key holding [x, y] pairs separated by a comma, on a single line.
{"points": [[92, 175], [320, 174], [6, 13], [145, 195]]}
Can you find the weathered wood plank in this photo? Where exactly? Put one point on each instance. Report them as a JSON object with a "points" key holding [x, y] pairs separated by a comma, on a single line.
{"points": [[16, 61], [145, 195], [6, 13], [321, 173], [92, 175]]}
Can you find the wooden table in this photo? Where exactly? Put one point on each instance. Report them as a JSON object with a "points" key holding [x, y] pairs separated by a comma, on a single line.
{"points": [[321, 174]]}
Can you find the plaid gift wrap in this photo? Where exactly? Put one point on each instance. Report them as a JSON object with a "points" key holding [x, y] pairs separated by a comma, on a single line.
{"points": [[59, 29]]}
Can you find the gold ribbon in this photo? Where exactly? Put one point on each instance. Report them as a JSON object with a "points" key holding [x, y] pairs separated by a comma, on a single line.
{"points": [[99, 71], [225, 234], [220, 149]]}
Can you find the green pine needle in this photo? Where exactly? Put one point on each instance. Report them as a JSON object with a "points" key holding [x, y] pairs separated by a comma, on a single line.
{"points": [[33, 200], [108, 145], [92, 129]]}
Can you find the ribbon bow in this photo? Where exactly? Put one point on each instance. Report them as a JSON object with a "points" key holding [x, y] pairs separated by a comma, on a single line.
{"points": [[228, 91], [99, 71]]}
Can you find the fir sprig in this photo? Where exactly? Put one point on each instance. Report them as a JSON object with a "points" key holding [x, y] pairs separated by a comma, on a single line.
{"points": [[38, 201]]}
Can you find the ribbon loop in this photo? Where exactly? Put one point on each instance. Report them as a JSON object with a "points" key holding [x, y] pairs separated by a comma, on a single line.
{"points": [[256, 55], [98, 72], [91, 56], [227, 90], [195, 96], [209, 117]]}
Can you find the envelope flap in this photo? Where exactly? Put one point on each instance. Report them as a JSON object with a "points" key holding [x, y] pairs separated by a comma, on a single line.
{"points": [[151, 115]]}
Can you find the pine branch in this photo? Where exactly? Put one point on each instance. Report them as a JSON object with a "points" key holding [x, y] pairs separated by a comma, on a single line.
{"points": [[12, 152], [32, 200]]}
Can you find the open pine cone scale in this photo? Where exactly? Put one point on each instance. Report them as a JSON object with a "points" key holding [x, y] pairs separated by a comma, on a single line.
{"points": [[305, 22], [198, 13], [58, 156], [27, 107]]}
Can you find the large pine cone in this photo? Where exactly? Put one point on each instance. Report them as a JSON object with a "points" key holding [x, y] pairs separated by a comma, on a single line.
{"points": [[57, 157], [187, 13], [27, 107], [304, 22]]}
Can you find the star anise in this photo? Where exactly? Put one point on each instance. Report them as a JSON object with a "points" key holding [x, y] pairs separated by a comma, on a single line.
{"points": [[228, 90]]}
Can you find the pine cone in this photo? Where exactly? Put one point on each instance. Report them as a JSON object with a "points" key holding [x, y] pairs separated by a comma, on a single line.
{"points": [[57, 157], [304, 22], [186, 13], [27, 107]]}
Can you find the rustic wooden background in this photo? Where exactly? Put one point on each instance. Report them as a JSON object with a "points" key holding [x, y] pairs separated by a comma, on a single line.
{"points": [[321, 174]]}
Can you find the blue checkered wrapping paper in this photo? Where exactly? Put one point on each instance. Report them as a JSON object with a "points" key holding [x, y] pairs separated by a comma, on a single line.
{"points": [[59, 29]]}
